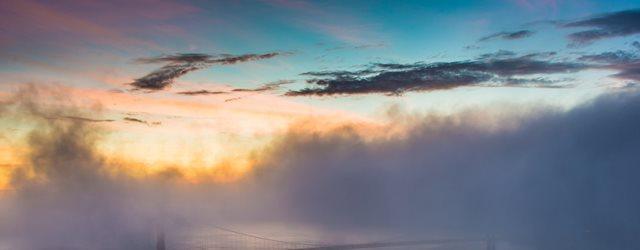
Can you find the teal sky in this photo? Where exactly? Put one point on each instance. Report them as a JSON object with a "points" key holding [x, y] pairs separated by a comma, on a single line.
{"points": [[71, 43]]}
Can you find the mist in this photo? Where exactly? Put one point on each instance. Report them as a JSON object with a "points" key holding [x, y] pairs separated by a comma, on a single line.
{"points": [[545, 178], [540, 177]]}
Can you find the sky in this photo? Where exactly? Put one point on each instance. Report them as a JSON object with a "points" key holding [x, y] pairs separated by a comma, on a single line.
{"points": [[342, 117]]}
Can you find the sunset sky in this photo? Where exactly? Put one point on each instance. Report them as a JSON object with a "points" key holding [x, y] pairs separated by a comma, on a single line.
{"points": [[221, 91]]}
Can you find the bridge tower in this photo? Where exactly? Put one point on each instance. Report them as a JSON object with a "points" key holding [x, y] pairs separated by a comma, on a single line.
{"points": [[491, 243], [160, 244]]}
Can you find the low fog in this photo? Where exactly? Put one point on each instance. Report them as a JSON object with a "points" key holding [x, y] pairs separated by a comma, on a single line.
{"points": [[539, 177]]}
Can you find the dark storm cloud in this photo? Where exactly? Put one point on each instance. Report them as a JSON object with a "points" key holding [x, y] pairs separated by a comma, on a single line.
{"points": [[394, 78], [556, 180], [615, 24], [508, 35], [181, 64]]}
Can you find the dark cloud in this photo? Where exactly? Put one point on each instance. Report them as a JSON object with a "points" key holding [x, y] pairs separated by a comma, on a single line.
{"points": [[341, 73], [202, 92], [81, 119], [132, 119], [497, 55], [636, 44], [233, 99], [398, 78], [536, 82], [233, 59], [266, 87], [627, 63], [613, 58], [138, 120], [177, 58], [615, 24], [271, 86], [181, 64], [520, 34]]}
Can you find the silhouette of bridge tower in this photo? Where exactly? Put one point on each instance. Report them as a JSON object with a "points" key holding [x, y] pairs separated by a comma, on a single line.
{"points": [[491, 243]]}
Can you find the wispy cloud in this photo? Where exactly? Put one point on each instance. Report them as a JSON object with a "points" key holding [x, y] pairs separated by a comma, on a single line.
{"points": [[180, 64], [266, 87], [615, 24], [627, 63], [137, 120], [360, 46], [514, 35], [80, 118], [201, 92], [270, 86]]}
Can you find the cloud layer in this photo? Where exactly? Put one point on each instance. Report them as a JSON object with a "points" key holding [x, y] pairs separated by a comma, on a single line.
{"points": [[548, 180], [539, 178]]}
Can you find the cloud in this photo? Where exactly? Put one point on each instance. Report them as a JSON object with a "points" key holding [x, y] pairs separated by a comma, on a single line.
{"points": [[202, 92], [614, 24], [536, 82], [137, 120], [391, 78], [546, 180], [520, 34], [537, 177], [627, 63], [82, 119], [180, 64], [267, 86], [62, 195], [271, 86], [131, 119]]}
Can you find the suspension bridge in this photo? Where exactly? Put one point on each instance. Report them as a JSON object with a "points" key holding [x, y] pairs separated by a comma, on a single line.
{"points": [[225, 238]]}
